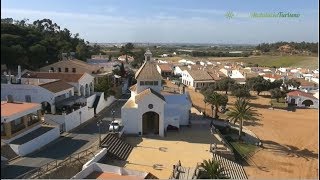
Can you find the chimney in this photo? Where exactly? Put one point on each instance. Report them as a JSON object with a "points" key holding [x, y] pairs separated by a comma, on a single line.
{"points": [[9, 80], [19, 72], [9, 99], [72, 55], [64, 56]]}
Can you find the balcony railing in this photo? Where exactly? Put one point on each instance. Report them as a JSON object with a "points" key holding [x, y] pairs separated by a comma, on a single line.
{"points": [[33, 121]]}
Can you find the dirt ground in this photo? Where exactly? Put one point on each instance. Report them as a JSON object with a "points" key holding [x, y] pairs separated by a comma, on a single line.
{"points": [[290, 140], [158, 155]]}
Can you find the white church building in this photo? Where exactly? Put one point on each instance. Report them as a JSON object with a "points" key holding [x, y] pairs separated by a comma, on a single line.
{"points": [[149, 110]]}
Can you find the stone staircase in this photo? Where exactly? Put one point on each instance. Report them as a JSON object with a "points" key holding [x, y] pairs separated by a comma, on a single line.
{"points": [[116, 147], [231, 169]]}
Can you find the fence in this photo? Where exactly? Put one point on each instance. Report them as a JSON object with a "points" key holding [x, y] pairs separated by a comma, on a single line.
{"points": [[55, 164]]}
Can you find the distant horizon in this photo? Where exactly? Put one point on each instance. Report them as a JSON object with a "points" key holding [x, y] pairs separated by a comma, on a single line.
{"points": [[196, 43], [171, 21]]}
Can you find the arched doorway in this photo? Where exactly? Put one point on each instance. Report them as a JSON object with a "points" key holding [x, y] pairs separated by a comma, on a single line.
{"points": [[150, 123], [87, 90], [82, 90], [307, 103], [91, 88]]}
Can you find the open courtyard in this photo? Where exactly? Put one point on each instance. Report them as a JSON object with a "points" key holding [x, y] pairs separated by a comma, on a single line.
{"points": [[158, 155], [290, 141]]}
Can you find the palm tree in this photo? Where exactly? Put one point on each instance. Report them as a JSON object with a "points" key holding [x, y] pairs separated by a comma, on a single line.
{"points": [[216, 100], [242, 111], [210, 169]]}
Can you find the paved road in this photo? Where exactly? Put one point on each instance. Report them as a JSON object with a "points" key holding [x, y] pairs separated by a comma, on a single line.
{"points": [[78, 140]]}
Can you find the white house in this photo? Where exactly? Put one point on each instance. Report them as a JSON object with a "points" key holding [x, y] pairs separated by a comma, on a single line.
{"points": [[21, 127], [302, 99], [83, 83], [177, 70], [58, 103], [272, 77], [234, 74], [149, 111], [196, 78]]}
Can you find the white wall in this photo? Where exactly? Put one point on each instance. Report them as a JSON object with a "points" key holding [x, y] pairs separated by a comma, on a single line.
{"points": [[177, 70], [90, 100], [36, 143], [104, 103], [130, 120], [300, 99], [96, 158], [73, 119], [186, 78], [19, 92], [98, 167]]}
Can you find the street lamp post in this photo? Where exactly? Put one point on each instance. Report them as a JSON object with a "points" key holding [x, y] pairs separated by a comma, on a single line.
{"points": [[99, 123], [112, 113]]}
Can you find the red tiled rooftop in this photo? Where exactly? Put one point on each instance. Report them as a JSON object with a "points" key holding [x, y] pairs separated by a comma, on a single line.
{"points": [[9, 109], [56, 86], [165, 67], [301, 93], [67, 77], [274, 76]]}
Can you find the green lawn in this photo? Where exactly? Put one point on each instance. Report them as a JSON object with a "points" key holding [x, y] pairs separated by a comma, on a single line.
{"points": [[244, 149], [283, 61], [280, 104]]}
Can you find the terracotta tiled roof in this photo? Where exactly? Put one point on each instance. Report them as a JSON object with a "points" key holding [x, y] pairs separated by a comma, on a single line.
{"points": [[165, 67], [304, 82], [9, 109], [54, 75], [72, 63], [148, 71], [147, 92], [56, 86], [200, 75], [274, 76], [301, 93]]}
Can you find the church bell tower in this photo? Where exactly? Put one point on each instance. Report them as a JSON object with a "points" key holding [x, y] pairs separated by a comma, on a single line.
{"points": [[147, 55]]}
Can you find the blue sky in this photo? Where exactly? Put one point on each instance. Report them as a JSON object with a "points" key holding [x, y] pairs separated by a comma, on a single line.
{"points": [[175, 21]]}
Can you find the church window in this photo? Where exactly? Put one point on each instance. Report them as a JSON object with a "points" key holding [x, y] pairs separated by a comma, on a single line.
{"points": [[155, 83], [149, 83], [148, 58], [141, 83], [150, 106]]}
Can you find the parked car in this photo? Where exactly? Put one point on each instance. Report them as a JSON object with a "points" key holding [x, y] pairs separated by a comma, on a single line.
{"points": [[114, 126]]}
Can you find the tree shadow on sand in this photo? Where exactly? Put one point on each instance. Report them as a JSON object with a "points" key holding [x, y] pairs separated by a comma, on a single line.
{"points": [[290, 150]]}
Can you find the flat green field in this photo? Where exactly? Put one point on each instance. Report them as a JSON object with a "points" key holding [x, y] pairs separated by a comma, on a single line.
{"points": [[283, 61]]}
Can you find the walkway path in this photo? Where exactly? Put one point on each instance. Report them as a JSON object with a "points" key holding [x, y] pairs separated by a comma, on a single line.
{"points": [[196, 118]]}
